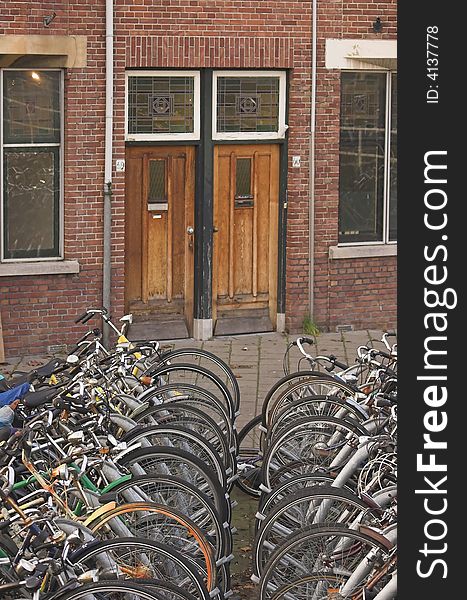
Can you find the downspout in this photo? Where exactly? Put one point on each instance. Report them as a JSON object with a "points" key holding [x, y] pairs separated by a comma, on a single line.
{"points": [[311, 173], [107, 250]]}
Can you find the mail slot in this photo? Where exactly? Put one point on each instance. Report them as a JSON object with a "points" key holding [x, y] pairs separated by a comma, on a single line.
{"points": [[158, 206]]}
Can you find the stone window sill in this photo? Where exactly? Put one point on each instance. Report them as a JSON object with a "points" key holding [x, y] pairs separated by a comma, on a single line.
{"points": [[337, 252], [62, 267]]}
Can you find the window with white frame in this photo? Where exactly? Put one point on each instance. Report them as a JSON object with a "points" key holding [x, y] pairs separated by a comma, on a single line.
{"points": [[162, 105], [31, 140], [368, 158], [249, 105]]}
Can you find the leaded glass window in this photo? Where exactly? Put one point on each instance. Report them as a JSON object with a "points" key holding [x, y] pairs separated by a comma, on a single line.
{"points": [[161, 105], [249, 104]]}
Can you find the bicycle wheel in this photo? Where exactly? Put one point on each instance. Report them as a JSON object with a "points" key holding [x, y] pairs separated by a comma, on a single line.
{"points": [[319, 586], [334, 550], [301, 385], [194, 396], [184, 439], [291, 485], [209, 361], [195, 419], [316, 505], [140, 558], [176, 493], [193, 375], [249, 458], [161, 524], [166, 460], [313, 442], [168, 591], [316, 405], [108, 590]]}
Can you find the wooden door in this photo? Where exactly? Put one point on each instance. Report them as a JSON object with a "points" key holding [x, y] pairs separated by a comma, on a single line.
{"points": [[159, 231], [246, 196]]}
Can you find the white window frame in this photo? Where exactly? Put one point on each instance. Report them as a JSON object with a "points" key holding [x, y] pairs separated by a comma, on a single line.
{"points": [[387, 161], [251, 135], [166, 137], [60, 146]]}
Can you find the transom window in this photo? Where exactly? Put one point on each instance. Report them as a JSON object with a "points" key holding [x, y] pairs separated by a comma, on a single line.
{"points": [[31, 161], [249, 105], [162, 105], [368, 158]]}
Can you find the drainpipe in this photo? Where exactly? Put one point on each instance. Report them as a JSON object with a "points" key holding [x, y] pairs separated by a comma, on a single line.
{"points": [[107, 251], [311, 174]]}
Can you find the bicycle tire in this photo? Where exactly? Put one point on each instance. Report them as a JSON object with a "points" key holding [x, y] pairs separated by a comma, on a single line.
{"points": [[199, 551], [285, 518], [150, 459], [196, 396], [89, 555], [211, 358], [318, 405], [317, 455], [248, 479], [194, 418], [181, 495], [317, 548], [168, 374], [180, 437], [291, 384], [102, 589]]}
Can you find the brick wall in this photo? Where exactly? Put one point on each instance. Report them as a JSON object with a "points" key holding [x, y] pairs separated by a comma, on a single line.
{"points": [[361, 293], [38, 311], [196, 34]]}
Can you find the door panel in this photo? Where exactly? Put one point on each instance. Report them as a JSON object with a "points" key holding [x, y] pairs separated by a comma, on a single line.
{"points": [[246, 219], [159, 209]]}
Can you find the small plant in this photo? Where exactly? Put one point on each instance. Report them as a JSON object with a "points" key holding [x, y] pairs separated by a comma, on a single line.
{"points": [[310, 327]]}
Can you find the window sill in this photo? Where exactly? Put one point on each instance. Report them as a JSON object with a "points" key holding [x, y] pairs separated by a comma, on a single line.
{"points": [[62, 267], [337, 252]]}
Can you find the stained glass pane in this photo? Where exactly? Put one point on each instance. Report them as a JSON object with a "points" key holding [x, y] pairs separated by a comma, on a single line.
{"points": [[31, 107], [362, 156], [31, 202], [249, 104], [160, 104]]}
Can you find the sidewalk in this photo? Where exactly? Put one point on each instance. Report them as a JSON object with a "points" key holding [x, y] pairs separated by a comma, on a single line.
{"points": [[255, 359]]}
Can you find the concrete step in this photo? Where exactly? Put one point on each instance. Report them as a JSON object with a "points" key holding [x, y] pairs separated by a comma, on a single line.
{"points": [[158, 329]]}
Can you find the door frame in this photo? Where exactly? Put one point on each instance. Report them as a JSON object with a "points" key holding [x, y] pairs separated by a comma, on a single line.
{"points": [[145, 153]]}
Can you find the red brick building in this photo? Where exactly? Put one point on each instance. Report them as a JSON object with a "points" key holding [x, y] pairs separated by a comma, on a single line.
{"points": [[247, 179]]}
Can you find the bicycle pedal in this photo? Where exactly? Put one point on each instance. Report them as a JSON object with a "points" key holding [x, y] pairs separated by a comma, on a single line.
{"points": [[233, 530], [233, 503], [254, 578], [213, 593], [233, 478], [264, 489], [260, 516]]}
